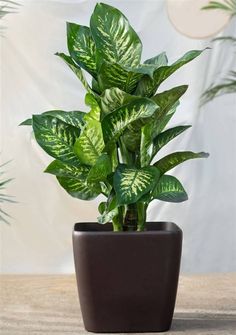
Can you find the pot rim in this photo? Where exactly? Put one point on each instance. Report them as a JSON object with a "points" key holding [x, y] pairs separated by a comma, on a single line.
{"points": [[153, 227]]}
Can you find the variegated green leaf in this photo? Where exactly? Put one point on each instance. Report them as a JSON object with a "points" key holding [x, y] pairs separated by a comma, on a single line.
{"points": [[131, 183], [115, 39], [113, 98], [115, 123], [74, 118], [170, 161], [95, 111], [146, 145], [169, 189], [160, 60], [56, 137], [81, 47], [74, 180], [60, 169], [76, 69], [115, 75], [101, 169], [165, 137], [89, 145], [147, 86], [79, 188], [167, 102]]}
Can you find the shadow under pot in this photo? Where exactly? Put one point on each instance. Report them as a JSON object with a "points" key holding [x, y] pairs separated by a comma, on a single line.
{"points": [[127, 281]]}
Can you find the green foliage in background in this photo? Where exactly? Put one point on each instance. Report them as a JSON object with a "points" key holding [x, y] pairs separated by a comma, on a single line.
{"points": [[4, 198], [112, 149], [226, 85]]}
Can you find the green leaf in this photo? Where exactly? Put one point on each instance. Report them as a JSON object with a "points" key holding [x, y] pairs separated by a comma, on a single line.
{"points": [[147, 86], [74, 180], [74, 118], [146, 145], [56, 138], [108, 216], [79, 188], [101, 169], [165, 137], [115, 75], [95, 111], [160, 60], [115, 39], [115, 123], [82, 47], [89, 145], [167, 102], [27, 122], [169, 189], [76, 69], [102, 207], [113, 98], [170, 161], [131, 183]]}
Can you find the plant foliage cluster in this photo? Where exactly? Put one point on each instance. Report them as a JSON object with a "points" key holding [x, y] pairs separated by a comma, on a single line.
{"points": [[111, 150]]}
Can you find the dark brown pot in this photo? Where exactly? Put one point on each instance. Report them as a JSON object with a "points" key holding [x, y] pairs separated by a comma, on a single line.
{"points": [[127, 281]]}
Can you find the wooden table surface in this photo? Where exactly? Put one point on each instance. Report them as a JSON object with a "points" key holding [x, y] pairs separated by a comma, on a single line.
{"points": [[206, 305]]}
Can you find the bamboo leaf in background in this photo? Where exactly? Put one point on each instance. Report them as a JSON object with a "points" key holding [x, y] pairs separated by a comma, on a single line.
{"points": [[81, 47], [131, 183], [172, 160], [56, 138], [229, 6], [169, 189]]}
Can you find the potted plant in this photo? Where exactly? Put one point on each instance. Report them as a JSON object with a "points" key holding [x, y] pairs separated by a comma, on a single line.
{"points": [[127, 269]]}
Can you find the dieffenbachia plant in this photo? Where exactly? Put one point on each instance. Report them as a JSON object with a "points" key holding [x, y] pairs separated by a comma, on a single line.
{"points": [[112, 149]]}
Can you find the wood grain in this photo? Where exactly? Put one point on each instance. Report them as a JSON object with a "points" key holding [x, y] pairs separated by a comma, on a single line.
{"points": [[206, 305]]}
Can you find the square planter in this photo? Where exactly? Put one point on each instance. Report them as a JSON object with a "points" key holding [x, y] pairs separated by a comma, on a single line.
{"points": [[127, 281]]}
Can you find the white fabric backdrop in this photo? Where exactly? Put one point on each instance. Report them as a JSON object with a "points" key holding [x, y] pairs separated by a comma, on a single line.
{"points": [[34, 80]]}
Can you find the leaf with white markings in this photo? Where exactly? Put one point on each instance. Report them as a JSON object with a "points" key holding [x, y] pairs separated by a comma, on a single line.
{"points": [[56, 137], [115, 39], [148, 86], [76, 69], [74, 180], [115, 75], [113, 98], [81, 47], [131, 183], [74, 118], [115, 123], [101, 169], [90, 144], [160, 60], [95, 111], [169, 189], [165, 137], [172, 160]]}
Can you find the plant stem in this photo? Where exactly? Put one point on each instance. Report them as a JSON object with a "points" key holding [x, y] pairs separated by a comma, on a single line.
{"points": [[131, 217], [117, 224], [142, 214]]}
